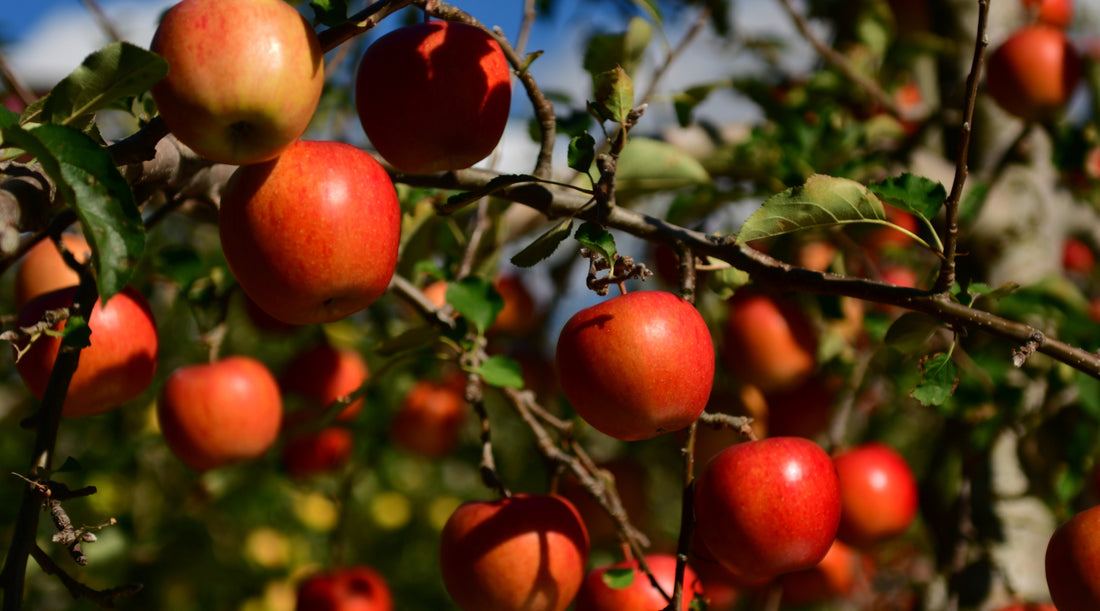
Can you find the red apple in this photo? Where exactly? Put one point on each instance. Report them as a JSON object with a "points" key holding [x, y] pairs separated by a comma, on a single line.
{"points": [[321, 375], [518, 314], [312, 236], [832, 578], [118, 365], [1034, 72], [317, 452], [878, 493], [1058, 13], [244, 77], [1077, 257], [1029, 607], [220, 413], [525, 552], [431, 417], [597, 594], [768, 507], [1073, 562], [352, 588], [434, 96], [42, 270], [637, 365], [769, 343]]}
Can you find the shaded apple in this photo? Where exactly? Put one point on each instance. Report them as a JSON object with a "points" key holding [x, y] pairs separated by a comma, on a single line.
{"points": [[434, 96], [1073, 562], [42, 269], [321, 375], [118, 365], [1034, 72], [521, 553], [769, 342], [350, 588], [220, 413], [316, 452], [599, 591], [878, 493], [431, 417]]}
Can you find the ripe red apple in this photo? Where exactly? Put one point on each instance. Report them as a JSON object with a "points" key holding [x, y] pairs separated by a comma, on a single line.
{"points": [[244, 77], [312, 236], [118, 365], [42, 269], [768, 507], [1057, 13], [351, 588], [1073, 562], [596, 594], [769, 343], [878, 492], [220, 413], [318, 452], [1034, 72], [1077, 257], [321, 375], [637, 365], [525, 552], [431, 417], [832, 578], [434, 96]]}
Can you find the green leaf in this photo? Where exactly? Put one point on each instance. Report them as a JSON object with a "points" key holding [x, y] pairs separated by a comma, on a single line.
{"points": [[618, 579], [582, 151], [614, 92], [911, 331], [939, 378], [653, 165], [71, 465], [725, 282], [606, 51], [111, 73], [87, 179], [77, 333], [502, 372], [476, 300], [329, 12], [596, 238], [912, 193], [544, 245], [684, 103], [8, 118], [823, 201]]}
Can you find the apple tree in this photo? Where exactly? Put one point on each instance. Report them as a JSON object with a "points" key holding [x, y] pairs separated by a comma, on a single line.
{"points": [[359, 306]]}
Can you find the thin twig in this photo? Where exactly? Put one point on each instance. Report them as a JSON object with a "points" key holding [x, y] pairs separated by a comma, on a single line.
{"points": [[13, 83], [696, 27], [529, 14], [951, 206]]}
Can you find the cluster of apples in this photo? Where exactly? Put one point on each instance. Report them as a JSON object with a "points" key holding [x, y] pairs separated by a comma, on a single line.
{"points": [[1033, 73]]}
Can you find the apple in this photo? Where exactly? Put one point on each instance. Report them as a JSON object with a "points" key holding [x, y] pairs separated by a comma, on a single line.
{"points": [[350, 588], [1057, 13], [431, 417], [524, 552], [118, 365], [804, 411], [878, 493], [832, 578], [312, 236], [637, 365], [599, 593], [42, 269], [220, 413], [244, 77], [1073, 562], [319, 376], [316, 452], [768, 507], [1077, 256], [517, 317], [434, 96], [769, 343], [1034, 72]]}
